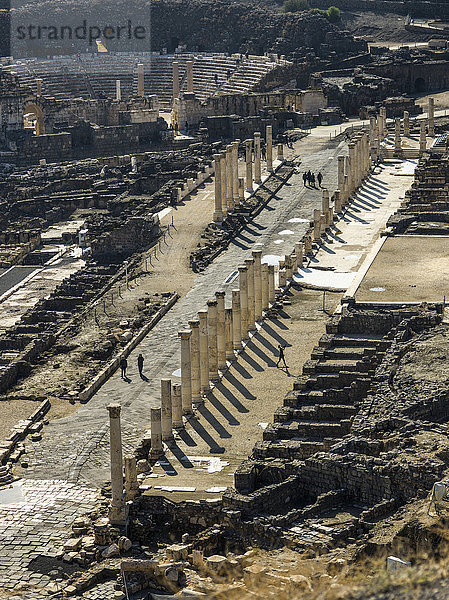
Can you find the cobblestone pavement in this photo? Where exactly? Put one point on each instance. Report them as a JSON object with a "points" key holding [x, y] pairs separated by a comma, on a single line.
{"points": [[34, 519]]}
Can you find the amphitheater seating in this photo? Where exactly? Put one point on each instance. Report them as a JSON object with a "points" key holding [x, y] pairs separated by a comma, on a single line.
{"points": [[90, 76]]}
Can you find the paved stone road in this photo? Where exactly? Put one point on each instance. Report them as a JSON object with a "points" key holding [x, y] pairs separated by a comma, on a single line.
{"points": [[76, 447]]}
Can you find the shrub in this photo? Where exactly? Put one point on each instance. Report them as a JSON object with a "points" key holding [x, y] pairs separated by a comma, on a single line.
{"points": [[333, 14]]}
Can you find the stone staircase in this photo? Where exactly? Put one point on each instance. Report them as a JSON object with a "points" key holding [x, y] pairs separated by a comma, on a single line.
{"points": [[324, 400]]}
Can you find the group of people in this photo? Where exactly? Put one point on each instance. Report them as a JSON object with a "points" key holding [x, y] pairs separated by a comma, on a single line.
{"points": [[310, 180], [124, 365]]}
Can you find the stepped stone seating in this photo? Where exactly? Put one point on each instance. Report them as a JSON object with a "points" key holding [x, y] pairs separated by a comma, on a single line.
{"points": [[91, 76]]}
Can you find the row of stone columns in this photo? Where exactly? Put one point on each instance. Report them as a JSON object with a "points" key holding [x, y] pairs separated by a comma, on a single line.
{"points": [[351, 171], [206, 346], [219, 332], [229, 188], [227, 195]]}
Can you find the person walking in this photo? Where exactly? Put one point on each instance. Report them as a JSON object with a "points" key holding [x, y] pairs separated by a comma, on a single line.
{"points": [[312, 180], [320, 178], [123, 367], [281, 356], [304, 178], [140, 360]]}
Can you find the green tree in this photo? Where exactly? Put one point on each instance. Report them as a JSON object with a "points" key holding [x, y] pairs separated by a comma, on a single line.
{"points": [[333, 14], [295, 5]]}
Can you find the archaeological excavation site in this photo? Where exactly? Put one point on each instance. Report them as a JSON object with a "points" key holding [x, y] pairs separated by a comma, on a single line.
{"points": [[224, 270]]}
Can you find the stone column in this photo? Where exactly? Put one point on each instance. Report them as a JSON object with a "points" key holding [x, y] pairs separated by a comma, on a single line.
{"points": [[281, 152], [131, 483], [118, 89], [224, 204], [195, 361], [204, 352], [243, 285], [282, 278], [249, 262], [422, 138], [218, 212], [308, 244], [221, 333], [166, 410], [229, 181], [372, 129], [140, 80], [38, 86], [249, 166], [257, 256], [241, 189], [397, 136], [316, 224], [186, 371], [341, 174], [431, 117], [288, 266], [189, 77], [352, 173], [271, 285], [235, 172], [117, 510], [337, 202], [177, 406], [269, 146], [212, 339], [156, 433], [236, 321], [406, 123], [257, 165], [265, 287], [228, 334], [223, 184], [383, 122], [325, 206], [175, 79], [299, 251], [359, 159], [366, 162]]}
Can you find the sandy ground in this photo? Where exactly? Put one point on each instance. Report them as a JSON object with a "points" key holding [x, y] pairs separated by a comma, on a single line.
{"points": [[408, 269]]}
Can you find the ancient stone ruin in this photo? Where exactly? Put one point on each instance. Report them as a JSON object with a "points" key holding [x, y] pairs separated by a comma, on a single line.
{"points": [[223, 320]]}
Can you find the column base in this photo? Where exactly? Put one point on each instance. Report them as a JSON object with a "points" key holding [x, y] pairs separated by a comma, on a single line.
{"points": [[153, 454], [218, 216], [118, 514]]}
